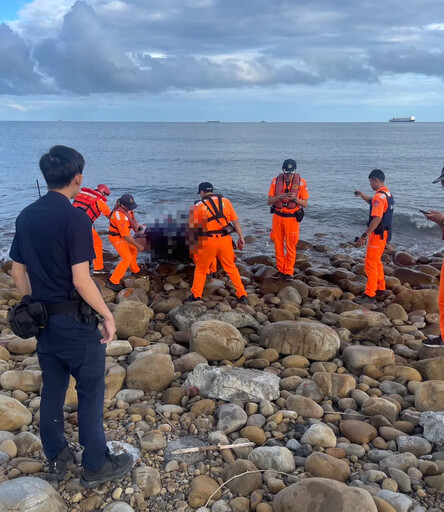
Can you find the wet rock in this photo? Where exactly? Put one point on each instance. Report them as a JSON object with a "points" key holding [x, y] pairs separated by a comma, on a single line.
{"points": [[323, 494], [323, 465], [153, 372], [273, 457], [13, 415], [231, 383], [184, 316], [30, 494], [429, 396], [245, 484], [275, 285], [312, 340], [414, 277], [216, 340], [132, 319], [357, 356]]}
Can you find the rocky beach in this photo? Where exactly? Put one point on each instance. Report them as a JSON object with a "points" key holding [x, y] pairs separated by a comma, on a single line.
{"points": [[326, 405]]}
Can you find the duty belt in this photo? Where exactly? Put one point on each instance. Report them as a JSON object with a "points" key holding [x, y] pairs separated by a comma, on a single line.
{"points": [[282, 214], [64, 308]]}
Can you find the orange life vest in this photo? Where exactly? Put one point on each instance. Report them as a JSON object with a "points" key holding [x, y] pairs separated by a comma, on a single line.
{"points": [[86, 200], [281, 188], [113, 229]]}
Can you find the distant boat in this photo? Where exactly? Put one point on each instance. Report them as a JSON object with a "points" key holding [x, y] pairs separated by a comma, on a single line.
{"points": [[213, 121], [410, 119], [262, 121]]}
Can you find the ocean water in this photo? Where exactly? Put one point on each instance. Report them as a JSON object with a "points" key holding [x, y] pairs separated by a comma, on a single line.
{"points": [[161, 164]]}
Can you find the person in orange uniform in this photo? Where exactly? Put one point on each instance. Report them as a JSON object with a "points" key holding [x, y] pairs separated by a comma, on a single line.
{"points": [[93, 203], [438, 218], [211, 217], [288, 195], [378, 233], [121, 222]]}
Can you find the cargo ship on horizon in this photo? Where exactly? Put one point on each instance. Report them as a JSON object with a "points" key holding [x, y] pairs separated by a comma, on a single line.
{"points": [[410, 119]]}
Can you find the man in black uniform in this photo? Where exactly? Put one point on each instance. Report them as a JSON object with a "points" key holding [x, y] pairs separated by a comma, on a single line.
{"points": [[51, 251]]}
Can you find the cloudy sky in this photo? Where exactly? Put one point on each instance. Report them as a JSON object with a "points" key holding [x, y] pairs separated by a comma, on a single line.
{"points": [[232, 60]]}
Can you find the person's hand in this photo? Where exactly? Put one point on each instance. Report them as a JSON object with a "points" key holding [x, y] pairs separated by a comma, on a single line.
{"points": [[241, 243], [358, 193], [361, 241], [435, 216], [292, 195], [109, 329], [140, 247]]}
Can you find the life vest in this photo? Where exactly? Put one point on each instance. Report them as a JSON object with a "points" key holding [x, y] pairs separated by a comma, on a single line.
{"points": [[87, 200], [113, 229], [387, 217], [281, 188], [216, 210]]}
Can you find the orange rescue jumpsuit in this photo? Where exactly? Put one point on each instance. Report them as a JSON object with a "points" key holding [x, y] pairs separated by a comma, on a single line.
{"points": [[119, 227], [210, 247], [375, 247], [285, 231], [97, 241]]}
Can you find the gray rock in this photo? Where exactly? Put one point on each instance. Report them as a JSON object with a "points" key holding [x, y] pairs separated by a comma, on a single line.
{"points": [[27, 444], [130, 395], [400, 502], [148, 480], [231, 418], [378, 455], [180, 444], [118, 506], [401, 478], [118, 447], [352, 449], [4, 457], [433, 424], [182, 317], [230, 383], [391, 388], [273, 457], [221, 506], [402, 461], [31, 495], [414, 444]]}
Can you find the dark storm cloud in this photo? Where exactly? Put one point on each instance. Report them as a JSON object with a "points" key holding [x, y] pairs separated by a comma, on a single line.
{"points": [[17, 74], [113, 46]]}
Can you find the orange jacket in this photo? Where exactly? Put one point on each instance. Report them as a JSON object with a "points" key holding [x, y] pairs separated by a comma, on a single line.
{"points": [[203, 214], [120, 223]]}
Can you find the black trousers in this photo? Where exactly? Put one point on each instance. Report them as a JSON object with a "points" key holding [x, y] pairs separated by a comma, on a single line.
{"points": [[66, 347]]}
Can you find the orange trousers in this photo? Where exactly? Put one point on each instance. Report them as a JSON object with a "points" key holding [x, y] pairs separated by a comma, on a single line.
{"points": [[211, 247], [213, 266], [441, 301], [98, 249], [128, 258], [285, 235], [373, 266]]}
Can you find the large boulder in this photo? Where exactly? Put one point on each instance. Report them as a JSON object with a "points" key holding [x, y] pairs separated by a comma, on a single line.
{"points": [[13, 415], [132, 319], [183, 317], [356, 357], [31, 495], [433, 424], [431, 369], [134, 294], [231, 383], [273, 286], [413, 300], [322, 494], [312, 340], [216, 340], [429, 396], [362, 319], [415, 278], [24, 380], [335, 384], [153, 372]]}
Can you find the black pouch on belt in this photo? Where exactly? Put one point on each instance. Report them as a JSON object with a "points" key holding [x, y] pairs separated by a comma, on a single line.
{"points": [[299, 214], [85, 314], [27, 318]]}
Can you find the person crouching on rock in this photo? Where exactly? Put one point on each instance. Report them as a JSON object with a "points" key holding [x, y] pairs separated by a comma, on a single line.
{"points": [[378, 233], [438, 218], [211, 218], [121, 222]]}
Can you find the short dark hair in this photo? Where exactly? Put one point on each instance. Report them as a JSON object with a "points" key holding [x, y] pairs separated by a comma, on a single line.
{"points": [[377, 174], [60, 165]]}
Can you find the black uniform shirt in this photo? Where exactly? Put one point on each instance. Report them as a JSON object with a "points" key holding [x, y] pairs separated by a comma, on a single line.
{"points": [[51, 236]]}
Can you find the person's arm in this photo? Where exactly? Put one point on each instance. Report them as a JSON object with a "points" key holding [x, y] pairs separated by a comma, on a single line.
{"points": [[302, 202], [133, 242], [103, 208], [436, 217], [366, 198], [21, 279], [275, 199], [373, 225], [91, 295], [241, 241]]}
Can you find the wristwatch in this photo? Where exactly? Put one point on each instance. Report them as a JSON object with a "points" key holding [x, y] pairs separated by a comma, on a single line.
{"points": [[364, 235]]}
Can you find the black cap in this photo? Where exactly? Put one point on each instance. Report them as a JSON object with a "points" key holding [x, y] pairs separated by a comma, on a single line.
{"points": [[205, 186], [441, 178], [289, 165], [128, 201]]}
